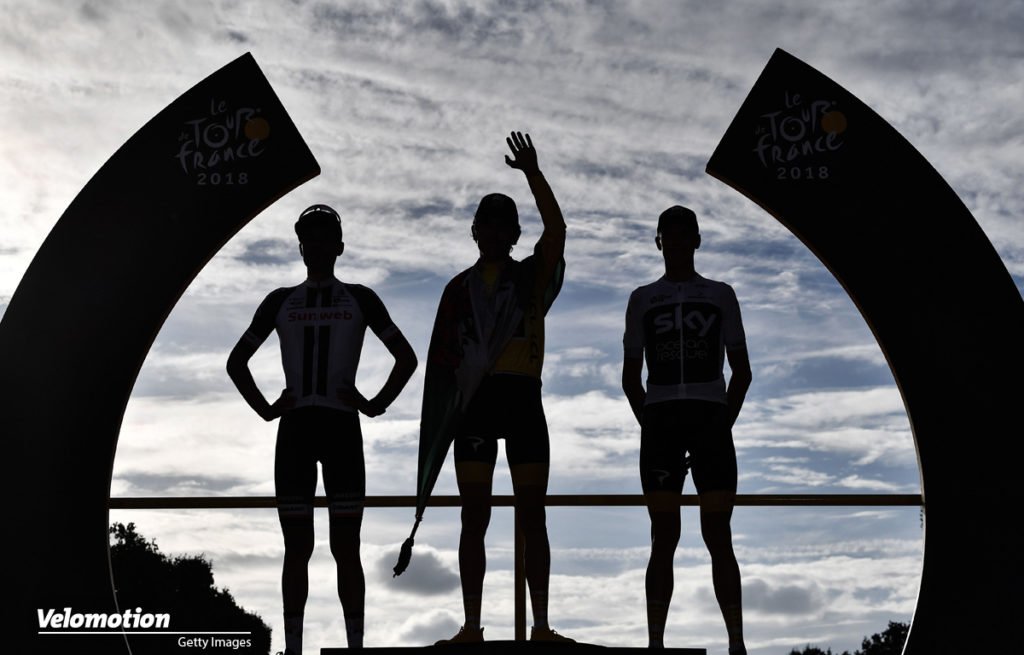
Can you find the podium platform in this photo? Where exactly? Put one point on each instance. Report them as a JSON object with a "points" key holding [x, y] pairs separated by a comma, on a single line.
{"points": [[513, 647]]}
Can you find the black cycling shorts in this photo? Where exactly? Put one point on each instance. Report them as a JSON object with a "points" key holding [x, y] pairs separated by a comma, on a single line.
{"points": [[308, 435], [673, 429], [508, 407]]}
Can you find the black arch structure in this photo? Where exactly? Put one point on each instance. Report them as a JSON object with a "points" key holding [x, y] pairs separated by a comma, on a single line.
{"points": [[943, 308], [81, 322]]}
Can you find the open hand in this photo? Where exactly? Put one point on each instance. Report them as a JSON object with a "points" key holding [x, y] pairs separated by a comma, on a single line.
{"points": [[524, 152]]}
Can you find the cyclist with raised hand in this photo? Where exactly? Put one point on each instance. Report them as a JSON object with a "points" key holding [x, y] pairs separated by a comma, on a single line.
{"points": [[490, 330]]}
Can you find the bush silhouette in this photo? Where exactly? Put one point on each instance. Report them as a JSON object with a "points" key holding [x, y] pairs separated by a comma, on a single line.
{"points": [[182, 586], [888, 642]]}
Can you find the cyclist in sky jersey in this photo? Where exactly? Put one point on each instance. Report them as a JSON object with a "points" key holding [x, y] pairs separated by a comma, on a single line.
{"points": [[320, 325], [685, 326]]}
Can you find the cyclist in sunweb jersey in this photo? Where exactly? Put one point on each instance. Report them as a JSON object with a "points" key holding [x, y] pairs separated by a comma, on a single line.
{"points": [[686, 326], [320, 325]]}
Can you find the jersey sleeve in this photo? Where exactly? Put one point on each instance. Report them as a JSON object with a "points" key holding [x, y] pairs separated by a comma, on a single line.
{"points": [[376, 315], [733, 335], [551, 245], [633, 338], [265, 319], [549, 268]]}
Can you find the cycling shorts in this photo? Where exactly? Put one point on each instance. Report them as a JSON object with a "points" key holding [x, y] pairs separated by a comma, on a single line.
{"points": [[681, 435], [308, 435], [508, 407]]}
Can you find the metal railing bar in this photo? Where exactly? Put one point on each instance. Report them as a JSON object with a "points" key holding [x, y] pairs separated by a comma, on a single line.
{"points": [[552, 500], [504, 500]]}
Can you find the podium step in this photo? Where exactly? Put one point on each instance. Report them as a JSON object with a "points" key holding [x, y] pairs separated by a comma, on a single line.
{"points": [[513, 647]]}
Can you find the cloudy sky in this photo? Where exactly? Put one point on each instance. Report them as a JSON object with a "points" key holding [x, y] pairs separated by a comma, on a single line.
{"points": [[406, 106]]}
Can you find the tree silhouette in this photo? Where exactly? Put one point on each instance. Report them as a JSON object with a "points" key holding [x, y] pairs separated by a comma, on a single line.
{"points": [[181, 586], [814, 650], [888, 642]]}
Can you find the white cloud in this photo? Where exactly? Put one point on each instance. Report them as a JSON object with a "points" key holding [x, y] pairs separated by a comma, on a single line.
{"points": [[428, 627], [868, 424], [426, 577]]}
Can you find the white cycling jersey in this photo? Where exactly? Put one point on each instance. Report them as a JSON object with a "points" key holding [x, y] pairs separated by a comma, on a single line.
{"points": [[321, 326], [683, 330]]}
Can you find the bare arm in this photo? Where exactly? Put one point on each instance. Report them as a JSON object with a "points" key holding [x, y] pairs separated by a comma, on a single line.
{"points": [[405, 365], [632, 384], [238, 371], [739, 381], [550, 213]]}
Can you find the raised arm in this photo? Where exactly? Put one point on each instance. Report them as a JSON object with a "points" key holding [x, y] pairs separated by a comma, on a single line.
{"points": [[525, 159]]}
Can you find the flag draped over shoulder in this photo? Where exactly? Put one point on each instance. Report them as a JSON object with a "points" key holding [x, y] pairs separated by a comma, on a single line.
{"points": [[471, 329]]}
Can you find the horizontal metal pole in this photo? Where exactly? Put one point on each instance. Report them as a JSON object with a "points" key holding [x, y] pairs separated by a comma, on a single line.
{"points": [[553, 500]]}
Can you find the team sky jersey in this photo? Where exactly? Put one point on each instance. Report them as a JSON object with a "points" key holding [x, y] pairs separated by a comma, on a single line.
{"points": [[683, 329], [320, 326]]}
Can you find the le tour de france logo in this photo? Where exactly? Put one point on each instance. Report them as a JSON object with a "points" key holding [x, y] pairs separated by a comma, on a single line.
{"points": [[215, 148], [794, 140]]}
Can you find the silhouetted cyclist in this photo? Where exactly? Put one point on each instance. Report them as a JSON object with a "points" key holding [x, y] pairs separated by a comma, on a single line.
{"points": [[320, 325], [490, 324], [686, 325]]}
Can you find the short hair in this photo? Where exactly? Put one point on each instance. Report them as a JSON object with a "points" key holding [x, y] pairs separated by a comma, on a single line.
{"points": [[678, 215], [317, 217], [497, 205]]}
